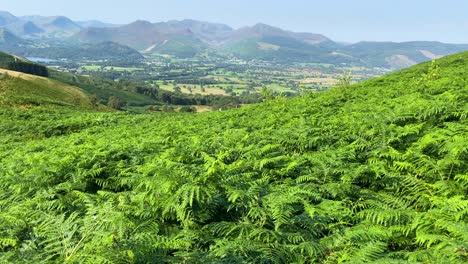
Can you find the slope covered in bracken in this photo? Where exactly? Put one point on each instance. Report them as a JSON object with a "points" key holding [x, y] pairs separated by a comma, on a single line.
{"points": [[374, 172]]}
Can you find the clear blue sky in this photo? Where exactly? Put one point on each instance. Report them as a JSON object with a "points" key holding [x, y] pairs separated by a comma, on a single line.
{"points": [[342, 20]]}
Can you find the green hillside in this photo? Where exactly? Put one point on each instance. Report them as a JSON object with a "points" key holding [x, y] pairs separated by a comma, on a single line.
{"points": [[184, 47], [60, 88], [13, 63], [112, 52], [384, 54], [103, 88], [286, 49], [23, 90], [375, 172]]}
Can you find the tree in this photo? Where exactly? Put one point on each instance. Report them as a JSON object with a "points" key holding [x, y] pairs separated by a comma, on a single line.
{"points": [[93, 100], [188, 109], [345, 80], [267, 94], [115, 103]]}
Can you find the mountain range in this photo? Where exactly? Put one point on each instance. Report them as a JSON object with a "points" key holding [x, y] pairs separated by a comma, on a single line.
{"points": [[187, 38]]}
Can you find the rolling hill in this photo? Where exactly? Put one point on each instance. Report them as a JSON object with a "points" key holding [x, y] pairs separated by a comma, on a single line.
{"points": [[369, 173], [400, 55], [23, 90], [49, 89], [105, 51]]}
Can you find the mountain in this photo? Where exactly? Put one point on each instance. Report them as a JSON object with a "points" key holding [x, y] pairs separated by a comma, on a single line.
{"points": [[139, 35], [56, 26], [29, 28], [261, 31], [39, 26], [95, 24], [11, 43], [400, 55], [8, 38], [7, 18], [167, 38], [265, 42], [211, 33], [187, 38], [107, 51], [25, 29], [117, 54]]}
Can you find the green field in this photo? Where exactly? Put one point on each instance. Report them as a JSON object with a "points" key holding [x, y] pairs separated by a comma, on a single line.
{"points": [[111, 68]]}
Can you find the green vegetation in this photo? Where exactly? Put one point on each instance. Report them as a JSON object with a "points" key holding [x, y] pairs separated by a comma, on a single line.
{"points": [[109, 52], [180, 47], [10, 62], [104, 88], [25, 91], [373, 172], [110, 68]]}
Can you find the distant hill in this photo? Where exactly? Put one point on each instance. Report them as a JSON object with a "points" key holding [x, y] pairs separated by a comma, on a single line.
{"points": [[261, 30], [56, 26], [25, 28], [116, 53], [400, 55], [8, 38], [7, 18], [113, 52], [46, 27], [94, 23], [211, 33], [39, 26], [271, 43], [167, 38], [187, 38]]}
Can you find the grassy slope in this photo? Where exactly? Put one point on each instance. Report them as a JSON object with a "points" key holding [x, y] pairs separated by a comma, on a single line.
{"points": [[103, 88], [373, 172], [24, 90]]}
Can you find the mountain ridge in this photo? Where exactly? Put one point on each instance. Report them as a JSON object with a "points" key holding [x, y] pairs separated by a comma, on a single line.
{"points": [[189, 37]]}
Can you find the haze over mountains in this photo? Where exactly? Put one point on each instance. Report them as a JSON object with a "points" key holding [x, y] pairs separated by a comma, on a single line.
{"points": [[187, 38]]}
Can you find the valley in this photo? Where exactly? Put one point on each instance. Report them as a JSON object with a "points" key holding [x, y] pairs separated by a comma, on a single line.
{"points": [[223, 75]]}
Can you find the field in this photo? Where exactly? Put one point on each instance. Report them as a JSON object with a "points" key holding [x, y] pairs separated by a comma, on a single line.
{"points": [[110, 68], [227, 76]]}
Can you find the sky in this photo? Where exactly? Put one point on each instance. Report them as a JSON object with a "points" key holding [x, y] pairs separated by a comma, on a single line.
{"points": [[341, 20]]}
